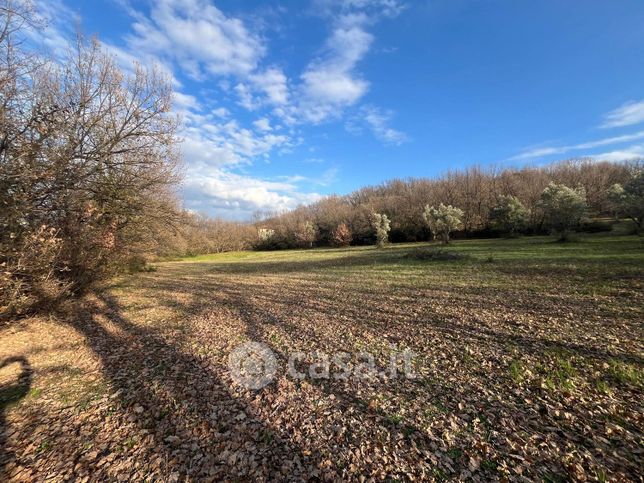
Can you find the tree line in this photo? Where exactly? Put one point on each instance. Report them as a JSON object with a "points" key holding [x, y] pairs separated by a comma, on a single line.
{"points": [[474, 202]]}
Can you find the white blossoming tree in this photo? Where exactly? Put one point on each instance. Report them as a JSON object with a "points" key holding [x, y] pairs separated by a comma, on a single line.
{"points": [[563, 208], [509, 215], [382, 225], [629, 198], [443, 220]]}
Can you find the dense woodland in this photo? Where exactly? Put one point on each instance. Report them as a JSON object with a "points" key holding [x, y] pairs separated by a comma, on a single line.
{"points": [[476, 191], [347, 220]]}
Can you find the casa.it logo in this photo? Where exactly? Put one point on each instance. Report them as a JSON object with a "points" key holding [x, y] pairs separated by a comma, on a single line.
{"points": [[252, 365]]}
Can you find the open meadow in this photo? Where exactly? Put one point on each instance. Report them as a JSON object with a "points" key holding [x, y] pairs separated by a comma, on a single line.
{"points": [[527, 362], [321, 240]]}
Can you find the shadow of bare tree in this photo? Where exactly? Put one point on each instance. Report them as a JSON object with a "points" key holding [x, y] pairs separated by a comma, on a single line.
{"points": [[174, 411], [196, 426], [9, 394]]}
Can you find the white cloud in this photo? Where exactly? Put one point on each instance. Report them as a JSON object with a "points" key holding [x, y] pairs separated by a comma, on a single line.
{"points": [[269, 87], [211, 148], [331, 82], [273, 83], [204, 42], [221, 112], [263, 124], [235, 196], [184, 102], [546, 151], [377, 120], [325, 178], [227, 143], [328, 177], [246, 97], [626, 115], [384, 8], [629, 154], [198, 36]]}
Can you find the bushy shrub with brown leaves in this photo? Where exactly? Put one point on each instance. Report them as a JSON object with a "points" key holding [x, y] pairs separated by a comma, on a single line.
{"points": [[306, 234], [28, 277], [88, 165]]}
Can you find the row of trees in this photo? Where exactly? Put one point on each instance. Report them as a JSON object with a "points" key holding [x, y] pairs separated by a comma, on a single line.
{"points": [[474, 202], [563, 209], [197, 234]]}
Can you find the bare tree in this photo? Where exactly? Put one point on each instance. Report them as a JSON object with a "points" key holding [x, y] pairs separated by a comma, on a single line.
{"points": [[87, 156]]}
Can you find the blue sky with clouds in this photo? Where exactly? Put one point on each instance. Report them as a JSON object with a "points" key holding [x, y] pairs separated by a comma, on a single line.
{"points": [[284, 102]]}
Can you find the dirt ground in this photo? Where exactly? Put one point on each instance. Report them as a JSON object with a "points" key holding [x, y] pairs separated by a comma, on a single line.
{"points": [[528, 365]]}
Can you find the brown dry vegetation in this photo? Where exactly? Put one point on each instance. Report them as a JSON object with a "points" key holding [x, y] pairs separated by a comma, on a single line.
{"points": [[529, 366]]}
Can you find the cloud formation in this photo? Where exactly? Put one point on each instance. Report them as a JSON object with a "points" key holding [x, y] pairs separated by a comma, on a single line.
{"points": [[240, 196], [198, 37], [377, 121], [196, 43], [626, 115], [539, 152], [630, 153], [331, 82]]}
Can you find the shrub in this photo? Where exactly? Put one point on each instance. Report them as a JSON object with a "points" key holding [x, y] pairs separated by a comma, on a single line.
{"points": [[306, 234], [266, 239], [629, 198], [595, 226], [442, 220], [435, 254], [137, 263], [28, 278]]}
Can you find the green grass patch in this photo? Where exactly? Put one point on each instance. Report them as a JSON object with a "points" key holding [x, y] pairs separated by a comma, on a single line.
{"points": [[625, 374], [517, 371]]}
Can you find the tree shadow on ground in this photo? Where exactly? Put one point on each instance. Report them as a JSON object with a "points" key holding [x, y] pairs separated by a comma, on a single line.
{"points": [[361, 305], [192, 424], [366, 258], [10, 394]]}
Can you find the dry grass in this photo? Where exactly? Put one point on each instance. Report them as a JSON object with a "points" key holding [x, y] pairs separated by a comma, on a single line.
{"points": [[528, 367]]}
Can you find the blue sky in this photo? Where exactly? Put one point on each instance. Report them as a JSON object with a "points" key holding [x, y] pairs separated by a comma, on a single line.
{"points": [[284, 102]]}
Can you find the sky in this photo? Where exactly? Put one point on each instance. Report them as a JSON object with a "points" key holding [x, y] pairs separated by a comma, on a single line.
{"points": [[283, 103]]}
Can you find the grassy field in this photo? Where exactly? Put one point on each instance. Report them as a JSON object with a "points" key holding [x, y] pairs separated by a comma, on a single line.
{"points": [[528, 361]]}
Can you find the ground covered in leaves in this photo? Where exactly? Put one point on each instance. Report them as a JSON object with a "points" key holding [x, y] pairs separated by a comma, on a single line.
{"points": [[528, 361]]}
